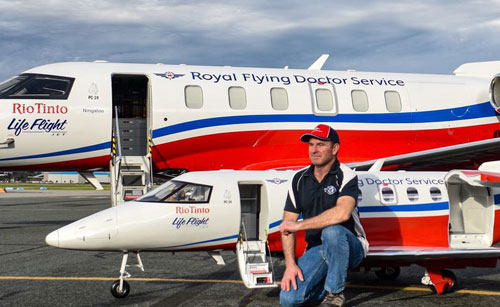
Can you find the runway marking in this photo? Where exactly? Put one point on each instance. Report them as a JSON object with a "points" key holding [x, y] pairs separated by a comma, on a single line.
{"points": [[185, 280]]}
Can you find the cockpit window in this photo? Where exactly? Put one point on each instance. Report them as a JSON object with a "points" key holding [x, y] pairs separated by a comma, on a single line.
{"points": [[9, 84], [179, 192], [34, 86]]}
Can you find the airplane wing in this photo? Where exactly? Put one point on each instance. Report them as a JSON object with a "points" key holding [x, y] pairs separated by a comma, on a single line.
{"points": [[465, 155], [404, 253]]}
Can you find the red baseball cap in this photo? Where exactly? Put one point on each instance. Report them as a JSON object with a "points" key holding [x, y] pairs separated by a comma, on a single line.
{"points": [[322, 132]]}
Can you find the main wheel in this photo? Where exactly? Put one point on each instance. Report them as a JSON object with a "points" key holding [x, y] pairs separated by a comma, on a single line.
{"points": [[451, 281], [116, 286], [388, 273]]}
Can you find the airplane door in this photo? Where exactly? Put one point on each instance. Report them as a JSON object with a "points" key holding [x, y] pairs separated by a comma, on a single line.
{"points": [[130, 105], [131, 166]]}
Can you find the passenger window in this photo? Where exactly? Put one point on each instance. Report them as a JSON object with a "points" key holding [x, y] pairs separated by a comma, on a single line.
{"points": [[412, 194], [279, 98], [324, 99], [237, 98], [34, 86], [359, 100], [436, 194], [194, 96], [392, 101], [387, 195]]}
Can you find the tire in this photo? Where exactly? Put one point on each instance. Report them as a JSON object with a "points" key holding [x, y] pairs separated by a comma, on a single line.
{"points": [[116, 285], [388, 273], [451, 281]]}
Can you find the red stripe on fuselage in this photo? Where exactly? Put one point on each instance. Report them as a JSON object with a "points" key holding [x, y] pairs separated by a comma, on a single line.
{"points": [[428, 231], [259, 150], [101, 162], [267, 149]]}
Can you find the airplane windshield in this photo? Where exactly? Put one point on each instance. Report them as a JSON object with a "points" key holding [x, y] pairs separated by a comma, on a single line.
{"points": [[178, 192], [34, 86]]}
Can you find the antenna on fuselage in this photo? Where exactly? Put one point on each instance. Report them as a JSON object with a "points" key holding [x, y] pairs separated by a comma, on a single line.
{"points": [[318, 64]]}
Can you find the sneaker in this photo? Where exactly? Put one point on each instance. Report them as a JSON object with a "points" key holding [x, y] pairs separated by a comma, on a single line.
{"points": [[333, 300]]}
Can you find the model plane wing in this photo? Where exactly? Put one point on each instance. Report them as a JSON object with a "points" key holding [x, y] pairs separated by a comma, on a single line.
{"points": [[405, 253], [465, 155]]}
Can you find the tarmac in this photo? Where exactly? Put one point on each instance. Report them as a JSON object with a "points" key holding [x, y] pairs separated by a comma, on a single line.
{"points": [[34, 274]]}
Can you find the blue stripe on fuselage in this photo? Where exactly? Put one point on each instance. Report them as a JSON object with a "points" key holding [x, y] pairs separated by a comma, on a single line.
{"points": [[396, 208], [405, 208], [453, 114], [206, 241], [105, 145], [462, 113]]}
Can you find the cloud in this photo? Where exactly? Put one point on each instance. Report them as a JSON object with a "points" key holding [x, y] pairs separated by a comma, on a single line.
{"points": [[411, 36]]}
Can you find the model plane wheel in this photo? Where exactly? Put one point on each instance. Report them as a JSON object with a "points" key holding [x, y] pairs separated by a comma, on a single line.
{"points": [[451, 281], [115, 289], [388, 273]]}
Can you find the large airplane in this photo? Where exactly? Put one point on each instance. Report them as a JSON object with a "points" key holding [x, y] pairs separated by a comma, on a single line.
{"points": [[175, 118], [438, 220]]}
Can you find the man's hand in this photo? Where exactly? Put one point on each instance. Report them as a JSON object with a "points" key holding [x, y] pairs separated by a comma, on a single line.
{"points": [[291, 273], [288, 227]]}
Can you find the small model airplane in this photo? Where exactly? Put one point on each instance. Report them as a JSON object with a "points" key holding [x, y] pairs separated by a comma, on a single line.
{"points": [[437, 220]]}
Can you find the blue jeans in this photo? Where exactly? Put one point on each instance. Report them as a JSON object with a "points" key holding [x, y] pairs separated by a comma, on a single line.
{"points": [[325, 267]]}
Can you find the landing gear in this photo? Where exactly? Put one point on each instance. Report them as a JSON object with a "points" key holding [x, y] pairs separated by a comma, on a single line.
{"points": [[120, 288], [388, 273], [115, 289], [440, 281]]}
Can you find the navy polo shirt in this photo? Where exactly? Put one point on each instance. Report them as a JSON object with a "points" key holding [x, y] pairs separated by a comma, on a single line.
{"points": [[311, 198]]}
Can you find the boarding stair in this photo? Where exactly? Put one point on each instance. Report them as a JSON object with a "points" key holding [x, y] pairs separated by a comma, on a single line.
{"points": [[255, 262], [131, 163]]}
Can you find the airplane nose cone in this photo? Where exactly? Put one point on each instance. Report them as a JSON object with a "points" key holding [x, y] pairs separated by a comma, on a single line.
{"points": [[52, 238]]}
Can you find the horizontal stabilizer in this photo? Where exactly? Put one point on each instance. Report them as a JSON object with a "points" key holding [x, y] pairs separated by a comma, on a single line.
{"points": [[484, 69]]}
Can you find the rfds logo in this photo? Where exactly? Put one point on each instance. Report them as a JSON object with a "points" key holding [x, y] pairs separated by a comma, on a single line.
{"points": [[169, 75], [330, 190]]}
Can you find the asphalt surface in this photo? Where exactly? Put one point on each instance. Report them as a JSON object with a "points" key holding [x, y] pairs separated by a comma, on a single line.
{"points": [[34, 274]]}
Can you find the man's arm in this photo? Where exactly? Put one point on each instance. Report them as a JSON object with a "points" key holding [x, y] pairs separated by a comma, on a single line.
{"points": [[336, 215], [288, 243]]}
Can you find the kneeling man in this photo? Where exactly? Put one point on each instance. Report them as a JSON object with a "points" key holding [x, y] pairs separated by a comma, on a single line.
{"points": [[325, 193]]}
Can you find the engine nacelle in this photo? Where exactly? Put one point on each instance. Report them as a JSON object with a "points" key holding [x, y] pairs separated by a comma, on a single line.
{"points": [[495, 93]]}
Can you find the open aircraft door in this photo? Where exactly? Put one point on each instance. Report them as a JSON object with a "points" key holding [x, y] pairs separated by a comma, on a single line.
{"points": [[131, 166], [254, 257]]}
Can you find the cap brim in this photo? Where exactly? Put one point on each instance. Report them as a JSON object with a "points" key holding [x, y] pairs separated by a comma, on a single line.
{"points": [[306, 137]]}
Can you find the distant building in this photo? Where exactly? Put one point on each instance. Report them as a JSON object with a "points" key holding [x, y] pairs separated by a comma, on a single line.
{"points": [[73, 177]]}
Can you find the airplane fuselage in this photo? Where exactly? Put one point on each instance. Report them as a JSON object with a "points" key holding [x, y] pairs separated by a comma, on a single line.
{"points": [[209, 118], [412, 209]]}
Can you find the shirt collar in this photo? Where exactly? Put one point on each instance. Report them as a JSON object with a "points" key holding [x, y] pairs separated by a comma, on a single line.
{"points": [[333, 170]]}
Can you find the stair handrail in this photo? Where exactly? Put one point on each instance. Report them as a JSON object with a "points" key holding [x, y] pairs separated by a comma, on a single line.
{"points": [[117, 167], [270, 256]]}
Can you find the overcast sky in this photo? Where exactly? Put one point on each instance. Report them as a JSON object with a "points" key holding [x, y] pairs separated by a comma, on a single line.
{"points": [[401, 36]]}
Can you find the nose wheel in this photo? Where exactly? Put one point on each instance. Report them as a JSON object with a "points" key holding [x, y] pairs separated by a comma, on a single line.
{"points": [[120, 292], [120, 288]]}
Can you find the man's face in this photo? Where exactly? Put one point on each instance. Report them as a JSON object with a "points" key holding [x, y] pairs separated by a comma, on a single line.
{"points": [[322, 152]]}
